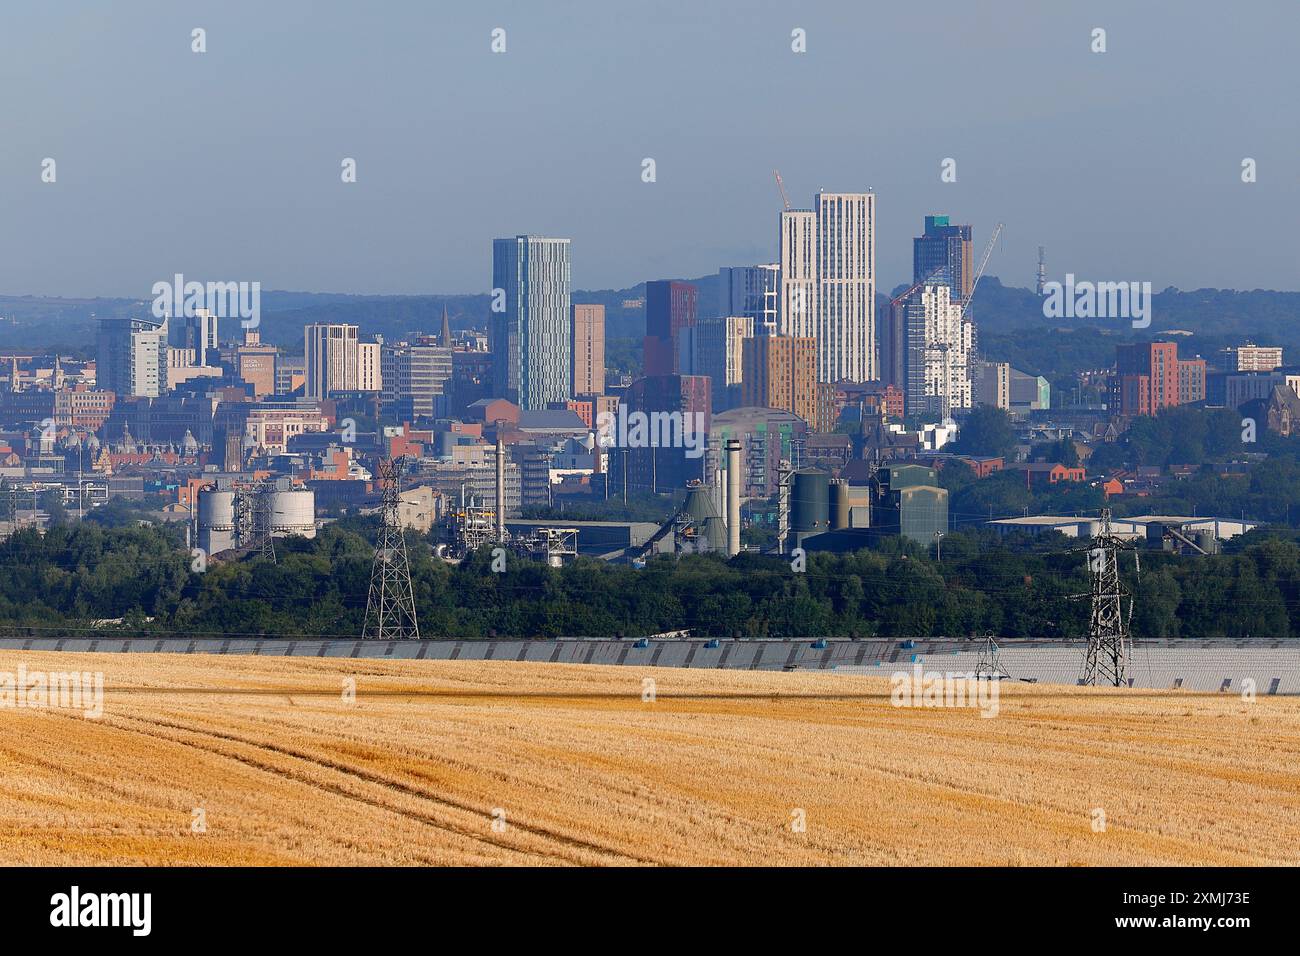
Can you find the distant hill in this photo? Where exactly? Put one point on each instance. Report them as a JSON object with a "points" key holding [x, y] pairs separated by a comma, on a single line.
{"points": [[1214, 315], [1261, 314]]}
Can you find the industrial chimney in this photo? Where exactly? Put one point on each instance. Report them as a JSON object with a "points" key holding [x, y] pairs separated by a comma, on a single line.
{"points": [[733, 497], [501, 489]]}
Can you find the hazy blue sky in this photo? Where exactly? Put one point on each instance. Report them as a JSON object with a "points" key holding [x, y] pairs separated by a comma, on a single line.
{"points": [[226, 165]]}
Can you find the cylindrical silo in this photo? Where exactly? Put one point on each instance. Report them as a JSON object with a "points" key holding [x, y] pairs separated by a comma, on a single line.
{"points": [[840, 506], [810, 506], [216, 520], [293, 512]]}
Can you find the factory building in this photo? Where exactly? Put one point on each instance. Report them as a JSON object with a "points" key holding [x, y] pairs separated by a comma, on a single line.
{"points": [[908, 501]]}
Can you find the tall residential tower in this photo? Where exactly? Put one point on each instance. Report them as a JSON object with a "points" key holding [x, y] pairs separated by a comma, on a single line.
{"points": [[828, 283], [531, 324]]}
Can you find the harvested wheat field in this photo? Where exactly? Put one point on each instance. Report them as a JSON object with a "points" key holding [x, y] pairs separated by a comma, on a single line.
{"points": [[574, 767]]}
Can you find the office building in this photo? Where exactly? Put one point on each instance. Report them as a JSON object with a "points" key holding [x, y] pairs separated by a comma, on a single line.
{"points": [[290, 374], [991, 384], [330, 359], [254, 363], [132, 357], [370, 376], [415, 379], [1250, 358]]}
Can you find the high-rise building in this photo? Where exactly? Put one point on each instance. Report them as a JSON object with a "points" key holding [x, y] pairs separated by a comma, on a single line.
{"points": [[940, 342], [945, 246], [415, 378], [670, 306], [751, 291], [588, 350], [370, 377], [891, 324], [828, 285], [797, 294], [780, 371], [718, 346], [132, 357], [531, 334], [201, 336], [330, 359]]}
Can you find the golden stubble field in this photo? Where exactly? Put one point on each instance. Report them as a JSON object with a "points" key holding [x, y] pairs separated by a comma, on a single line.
{"points": [[573, 767]]}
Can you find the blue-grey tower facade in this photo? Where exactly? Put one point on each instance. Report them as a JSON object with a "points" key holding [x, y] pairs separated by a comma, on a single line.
{"points": [[531, 321]]}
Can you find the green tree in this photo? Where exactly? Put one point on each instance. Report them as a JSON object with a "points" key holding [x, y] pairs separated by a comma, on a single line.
{"points": [[988, 432]]}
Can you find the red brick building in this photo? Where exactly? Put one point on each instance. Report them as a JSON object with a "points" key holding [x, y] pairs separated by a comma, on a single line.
{"points": [[1042, 473], [1149, 377]]}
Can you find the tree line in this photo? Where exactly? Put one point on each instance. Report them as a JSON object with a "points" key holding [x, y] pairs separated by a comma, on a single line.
{"points": [[73, 579]]}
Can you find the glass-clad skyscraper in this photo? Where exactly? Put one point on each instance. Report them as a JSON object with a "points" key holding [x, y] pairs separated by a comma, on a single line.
{"points": [[531, 322]]}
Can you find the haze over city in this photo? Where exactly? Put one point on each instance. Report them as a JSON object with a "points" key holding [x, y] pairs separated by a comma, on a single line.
{"points": [[648, 433], [1125, 164]]}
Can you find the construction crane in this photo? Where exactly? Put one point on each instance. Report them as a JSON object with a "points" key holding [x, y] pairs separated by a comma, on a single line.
{"points": [[984, 261], [781, 186], [904, 294]]}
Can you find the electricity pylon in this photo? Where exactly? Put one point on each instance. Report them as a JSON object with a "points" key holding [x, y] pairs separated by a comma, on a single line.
{"points": [[390, 607], [988, 667], [1110, 647], [263, 532]]}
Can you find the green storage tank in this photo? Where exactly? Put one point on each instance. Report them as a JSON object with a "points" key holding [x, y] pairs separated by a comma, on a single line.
{"points": [[810, 501]]}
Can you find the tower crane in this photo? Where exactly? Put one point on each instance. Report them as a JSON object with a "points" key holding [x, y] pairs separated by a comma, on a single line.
{"points": [[781, 186], [906, 292], [984, 261]]}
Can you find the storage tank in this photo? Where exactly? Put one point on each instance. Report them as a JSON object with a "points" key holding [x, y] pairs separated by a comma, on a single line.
{"points": [[293, 512], [840, 506], [216, 520], [810, 508]]}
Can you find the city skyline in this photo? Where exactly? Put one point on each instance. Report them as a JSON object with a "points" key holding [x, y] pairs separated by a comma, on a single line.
{"points": [[1090, 154]]}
